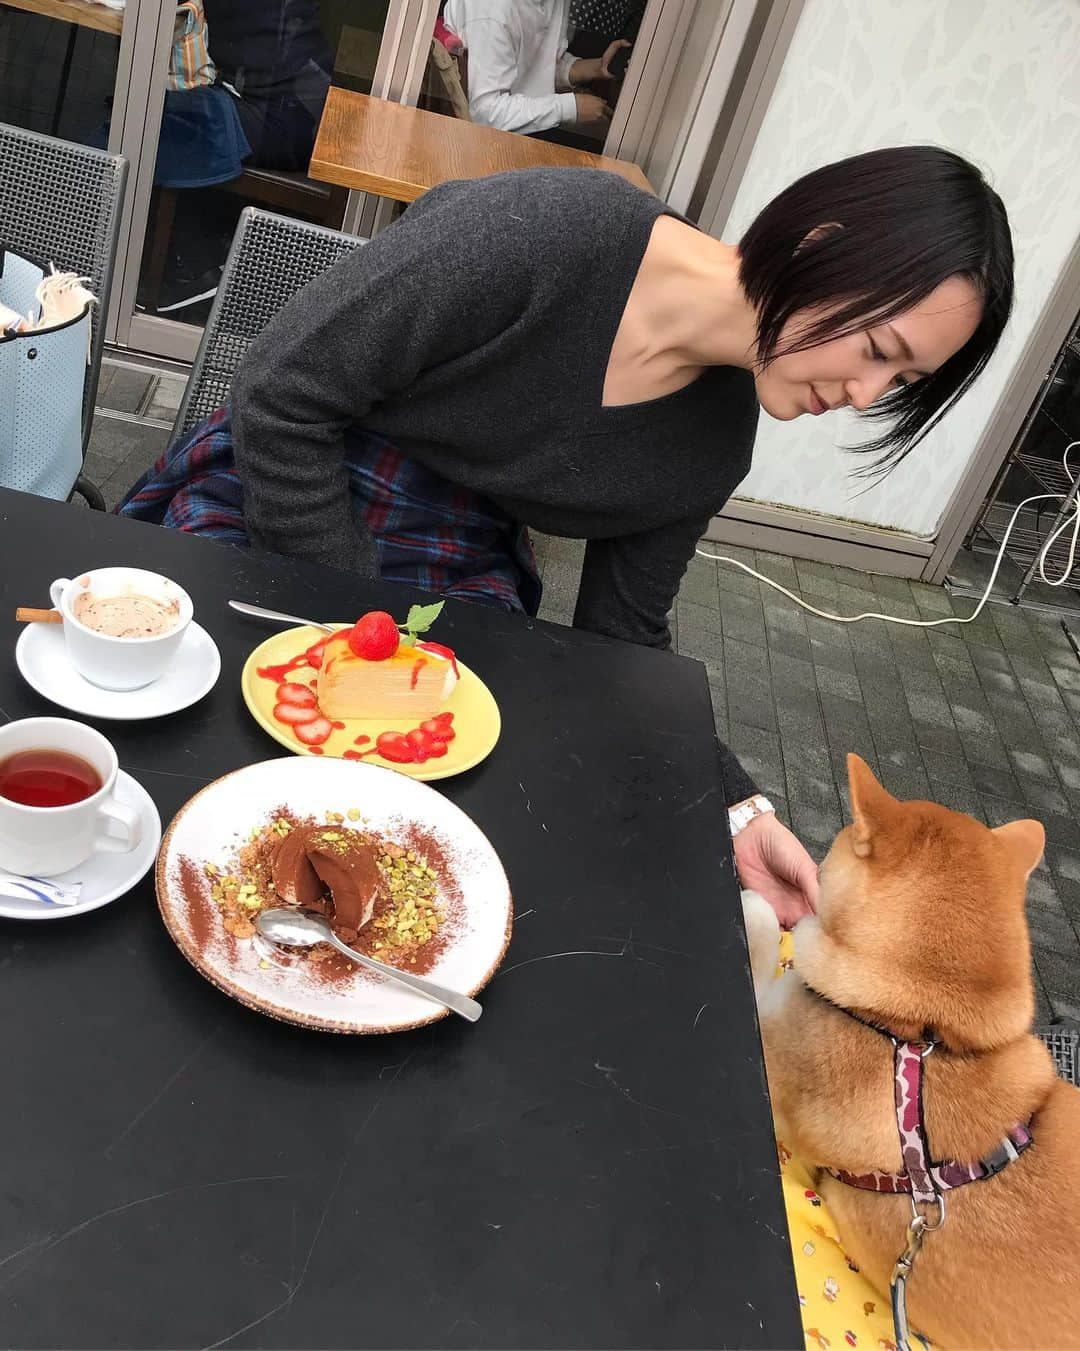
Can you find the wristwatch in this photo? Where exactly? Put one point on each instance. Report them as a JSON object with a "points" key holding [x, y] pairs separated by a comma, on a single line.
{"points": [[740, 816]]}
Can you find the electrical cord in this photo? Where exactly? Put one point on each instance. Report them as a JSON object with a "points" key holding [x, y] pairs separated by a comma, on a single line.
{"points": [[1071, 522]]}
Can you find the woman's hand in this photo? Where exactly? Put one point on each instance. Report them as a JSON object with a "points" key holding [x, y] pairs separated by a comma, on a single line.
{"points": [[771, 861], [608, 57], [589, 68], [591, 108]]}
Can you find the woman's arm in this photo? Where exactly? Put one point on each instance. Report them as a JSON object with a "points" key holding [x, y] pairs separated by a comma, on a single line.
{"points": [[628, 584], [628, 587], [441, 281]]}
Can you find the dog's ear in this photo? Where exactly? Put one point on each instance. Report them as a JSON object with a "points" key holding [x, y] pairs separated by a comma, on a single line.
{"points": [[871, 806], [1025, 840]]}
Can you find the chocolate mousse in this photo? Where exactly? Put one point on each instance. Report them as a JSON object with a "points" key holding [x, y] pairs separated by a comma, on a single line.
{"points": [[315, 863], [294, 879]]}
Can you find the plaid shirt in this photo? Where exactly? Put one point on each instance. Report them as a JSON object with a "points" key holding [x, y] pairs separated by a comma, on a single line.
{"points": [[429, 533]]}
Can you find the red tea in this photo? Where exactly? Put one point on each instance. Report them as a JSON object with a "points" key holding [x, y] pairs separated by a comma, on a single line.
{"points": [[47, 778]]}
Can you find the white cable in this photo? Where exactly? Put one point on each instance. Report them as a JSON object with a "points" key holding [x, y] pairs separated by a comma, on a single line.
{"points": [[1070, 523]]}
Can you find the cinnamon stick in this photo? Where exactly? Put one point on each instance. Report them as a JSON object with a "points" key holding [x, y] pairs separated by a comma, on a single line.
{"points": [[28, 615]]}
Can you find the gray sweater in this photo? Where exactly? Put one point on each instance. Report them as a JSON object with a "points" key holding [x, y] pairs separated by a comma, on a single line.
{"points": [[474, 334]]}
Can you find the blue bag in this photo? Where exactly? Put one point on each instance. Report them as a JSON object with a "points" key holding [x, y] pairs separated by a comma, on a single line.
{"points": [[42, 376]]}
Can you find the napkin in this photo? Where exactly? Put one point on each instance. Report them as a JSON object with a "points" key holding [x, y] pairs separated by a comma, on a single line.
{"points": [[61, 297], [39, 889]]}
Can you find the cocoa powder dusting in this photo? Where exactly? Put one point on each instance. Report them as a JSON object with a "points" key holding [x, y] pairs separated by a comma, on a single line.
{"points": [[417, 912], [203, 914]]}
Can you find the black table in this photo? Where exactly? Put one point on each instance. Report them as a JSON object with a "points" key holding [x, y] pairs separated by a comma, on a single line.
{"points": [[591, 1165]]}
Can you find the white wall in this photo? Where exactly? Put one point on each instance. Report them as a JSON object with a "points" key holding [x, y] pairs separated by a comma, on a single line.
{"points": [[999, 82]]}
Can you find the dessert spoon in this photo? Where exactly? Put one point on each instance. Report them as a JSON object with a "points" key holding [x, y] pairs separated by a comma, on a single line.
{"points": [[257, 612], [302, 929]]}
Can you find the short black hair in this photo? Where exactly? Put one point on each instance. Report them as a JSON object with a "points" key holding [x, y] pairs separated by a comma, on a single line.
{"points": [[910, 217]]}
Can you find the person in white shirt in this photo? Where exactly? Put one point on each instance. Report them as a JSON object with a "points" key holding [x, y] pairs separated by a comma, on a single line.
{"points": [[520, 75]]}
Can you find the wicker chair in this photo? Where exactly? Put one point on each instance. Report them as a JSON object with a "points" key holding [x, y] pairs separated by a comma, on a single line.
{"points": [[271, 258], [60, 202]]}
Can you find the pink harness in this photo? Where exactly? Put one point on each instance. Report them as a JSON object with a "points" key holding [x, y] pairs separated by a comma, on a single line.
{"points": [[924, 1181]]}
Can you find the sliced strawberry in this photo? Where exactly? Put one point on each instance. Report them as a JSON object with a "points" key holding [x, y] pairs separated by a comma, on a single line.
{"points": [[314, 733], [314, 654], [292, 693], [395, 747], [295, 714], [437, 749]]}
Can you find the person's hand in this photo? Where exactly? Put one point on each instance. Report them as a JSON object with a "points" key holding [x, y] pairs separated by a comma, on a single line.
{"points": [[771, 861], [606, 59], [590, 108]]}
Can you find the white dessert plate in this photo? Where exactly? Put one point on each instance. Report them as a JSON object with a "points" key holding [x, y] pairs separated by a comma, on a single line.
{"points": [[104, 877], [335, 997], [42, 657]]}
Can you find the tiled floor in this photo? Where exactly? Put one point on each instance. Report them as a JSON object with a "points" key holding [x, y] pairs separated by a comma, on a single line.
{"points": [[136, 409], [984, 718]]}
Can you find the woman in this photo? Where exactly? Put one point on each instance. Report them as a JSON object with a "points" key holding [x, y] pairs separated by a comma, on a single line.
{"points": [[557, 349]]}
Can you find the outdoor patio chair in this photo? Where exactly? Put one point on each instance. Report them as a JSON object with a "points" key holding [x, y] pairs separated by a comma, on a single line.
{"points": [[1063, 1044], [271, 258], [272, 188], [60, 203]]}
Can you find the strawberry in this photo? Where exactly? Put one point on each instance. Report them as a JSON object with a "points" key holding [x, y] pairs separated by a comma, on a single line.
{"points": [[295, 714], [314, 733], [292, 693], [437, 749], [374, 636], [394, 747], [314, 655]]}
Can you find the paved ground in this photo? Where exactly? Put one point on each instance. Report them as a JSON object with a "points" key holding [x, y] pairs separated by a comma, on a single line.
{"points": [[984, 718]]}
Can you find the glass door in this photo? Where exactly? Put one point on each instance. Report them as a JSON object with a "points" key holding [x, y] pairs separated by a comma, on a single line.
{"points": [[223, 100], [59, 65], [640, 80], [554, 70], [234, 93]]}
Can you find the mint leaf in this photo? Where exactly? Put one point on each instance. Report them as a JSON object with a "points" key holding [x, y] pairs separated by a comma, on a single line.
{"points": [[421, 617]]}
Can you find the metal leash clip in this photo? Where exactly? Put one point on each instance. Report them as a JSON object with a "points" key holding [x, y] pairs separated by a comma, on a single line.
{"points": [[904, 1263], [917, 1230], [916, 1233]]}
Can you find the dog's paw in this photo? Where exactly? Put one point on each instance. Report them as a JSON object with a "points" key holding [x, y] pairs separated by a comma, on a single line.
{"points": [[762, 937]]}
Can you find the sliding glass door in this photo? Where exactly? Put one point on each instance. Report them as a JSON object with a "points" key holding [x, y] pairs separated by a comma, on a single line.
{"points": [[59, 62], [216, 104], [232, 93]]}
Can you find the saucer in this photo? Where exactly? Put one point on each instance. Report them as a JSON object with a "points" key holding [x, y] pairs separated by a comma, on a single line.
{"points": [[104, 876], [41, 655]]}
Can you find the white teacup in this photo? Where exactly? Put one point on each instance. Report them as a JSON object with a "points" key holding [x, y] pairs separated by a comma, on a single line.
{"points": [[47, 841], [120, 663]]}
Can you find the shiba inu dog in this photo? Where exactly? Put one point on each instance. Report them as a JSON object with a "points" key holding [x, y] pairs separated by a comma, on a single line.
{"points": [[901, 1064]]}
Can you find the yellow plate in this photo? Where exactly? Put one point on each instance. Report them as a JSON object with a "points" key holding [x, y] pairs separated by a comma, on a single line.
{"points": [[476, 714]]}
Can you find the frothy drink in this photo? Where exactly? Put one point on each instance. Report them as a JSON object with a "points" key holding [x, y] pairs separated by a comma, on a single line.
{"points": [[126, 616]]}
